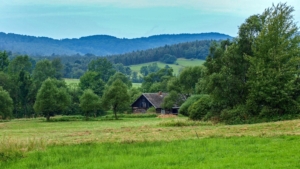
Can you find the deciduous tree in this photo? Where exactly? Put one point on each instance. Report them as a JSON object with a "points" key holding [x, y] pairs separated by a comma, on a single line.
{"points": [[273, 81], [3, 61], [89, 103], [103, 67], [6, 104], [116, 97], [51, 99], [92, 80]]}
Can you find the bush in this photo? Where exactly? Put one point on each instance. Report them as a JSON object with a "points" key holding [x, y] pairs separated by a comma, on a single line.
{"points": [[237, 115], [185, 106], [200, 108], [151, 110]]}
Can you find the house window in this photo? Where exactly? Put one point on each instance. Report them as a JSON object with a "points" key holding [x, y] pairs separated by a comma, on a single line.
{"points": [[144, 105]]}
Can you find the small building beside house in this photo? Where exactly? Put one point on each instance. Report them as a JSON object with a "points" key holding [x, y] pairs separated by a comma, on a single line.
{"points": [[147, 100]]}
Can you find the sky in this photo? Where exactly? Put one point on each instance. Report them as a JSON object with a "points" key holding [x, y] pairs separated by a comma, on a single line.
{"points": [[61, 19]]}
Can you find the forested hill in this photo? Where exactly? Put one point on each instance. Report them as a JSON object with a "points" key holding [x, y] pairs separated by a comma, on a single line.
{"points": [[100, 45], [188, 50]]}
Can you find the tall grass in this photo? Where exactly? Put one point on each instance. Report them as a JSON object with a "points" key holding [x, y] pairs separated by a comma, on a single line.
{"points": [[233, 152], [12, 149]]}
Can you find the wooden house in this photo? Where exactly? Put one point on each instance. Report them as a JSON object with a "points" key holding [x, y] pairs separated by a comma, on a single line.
{"points": [[147, 100]]}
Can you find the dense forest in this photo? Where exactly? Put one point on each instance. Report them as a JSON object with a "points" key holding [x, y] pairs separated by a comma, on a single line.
{"points": [[99, 45]]}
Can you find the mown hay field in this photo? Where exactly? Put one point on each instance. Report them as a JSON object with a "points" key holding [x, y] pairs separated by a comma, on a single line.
{"points": [[149, 142]]}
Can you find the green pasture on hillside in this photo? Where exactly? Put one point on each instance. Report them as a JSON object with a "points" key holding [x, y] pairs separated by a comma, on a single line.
{"points": [[145, 141], [181, 63], [71, 81], [136, 85]]}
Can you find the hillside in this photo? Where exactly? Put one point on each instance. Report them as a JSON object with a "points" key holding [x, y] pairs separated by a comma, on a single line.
{"points": [[177, 67], [99, 45], [188, 50]]}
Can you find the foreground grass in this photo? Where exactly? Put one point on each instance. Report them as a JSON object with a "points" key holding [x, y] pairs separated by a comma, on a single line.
{"points": [[233, 152], [148, 143]]}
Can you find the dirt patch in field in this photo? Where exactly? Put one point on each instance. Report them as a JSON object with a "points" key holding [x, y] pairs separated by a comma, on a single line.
{"points": [[167, 116]]}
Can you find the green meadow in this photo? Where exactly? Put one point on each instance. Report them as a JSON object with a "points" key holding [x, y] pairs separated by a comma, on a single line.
{"points": [[146, 141], [177, 67], [71, 81]]}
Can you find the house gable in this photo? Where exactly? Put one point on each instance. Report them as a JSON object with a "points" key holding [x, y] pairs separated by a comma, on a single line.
{"points": [[142, 102]]}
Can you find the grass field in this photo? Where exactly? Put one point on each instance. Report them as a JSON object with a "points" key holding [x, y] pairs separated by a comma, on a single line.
{"points": [[136, 85], [176, 68], [148, 143], [71, 81]]}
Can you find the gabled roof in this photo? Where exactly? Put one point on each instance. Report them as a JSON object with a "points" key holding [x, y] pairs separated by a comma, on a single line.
{"points": [[156, 99]]}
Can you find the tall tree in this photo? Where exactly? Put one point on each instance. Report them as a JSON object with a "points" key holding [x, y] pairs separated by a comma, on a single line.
{"points": [[6, 104], [188, 79], [3, 61], [92, 80], [51, 99], [26, 92], [103, 67], [274, 66], [116, 97], [120, 76], [58, 67], [18, 64], [43, 70], [89, 103]]}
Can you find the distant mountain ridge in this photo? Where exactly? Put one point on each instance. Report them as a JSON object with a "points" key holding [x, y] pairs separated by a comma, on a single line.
{"points": [[100, 45]]}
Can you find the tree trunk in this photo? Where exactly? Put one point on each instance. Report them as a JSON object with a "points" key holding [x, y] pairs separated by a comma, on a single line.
{"points": [[86, 116], [115, 112], [48, 117]]}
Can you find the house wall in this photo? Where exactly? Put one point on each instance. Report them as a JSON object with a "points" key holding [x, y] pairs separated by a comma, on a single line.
{"points": [[142, 103]]}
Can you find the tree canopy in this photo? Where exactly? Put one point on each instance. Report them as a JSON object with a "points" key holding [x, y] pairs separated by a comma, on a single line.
{"points": [[89, 103], [116, 97], [257, 74], [51, 99], [103, 67], [6, 104]]}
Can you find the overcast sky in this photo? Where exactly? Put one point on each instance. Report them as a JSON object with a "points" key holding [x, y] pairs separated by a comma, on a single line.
{"points": [[129, 18]]}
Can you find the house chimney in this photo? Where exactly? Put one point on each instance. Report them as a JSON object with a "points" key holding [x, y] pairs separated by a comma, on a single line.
{"points": [[160, 93]]}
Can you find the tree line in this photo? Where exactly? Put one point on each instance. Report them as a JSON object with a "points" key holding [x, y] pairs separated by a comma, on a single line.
{"points": [[167, 53], [28, 90]]}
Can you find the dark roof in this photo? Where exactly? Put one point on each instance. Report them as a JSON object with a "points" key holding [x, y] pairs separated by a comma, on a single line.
{"points": [[156, 99]]}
